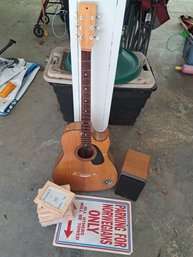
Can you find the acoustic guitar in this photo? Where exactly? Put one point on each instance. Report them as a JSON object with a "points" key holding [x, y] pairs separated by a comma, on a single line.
{"points": [[85, 163]]}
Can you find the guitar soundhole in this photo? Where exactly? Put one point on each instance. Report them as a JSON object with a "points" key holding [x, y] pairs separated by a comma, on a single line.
{"points": [[86, 153]]}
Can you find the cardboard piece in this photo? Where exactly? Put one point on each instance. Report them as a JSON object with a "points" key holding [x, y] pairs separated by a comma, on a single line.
{"points": [[100, 224]]}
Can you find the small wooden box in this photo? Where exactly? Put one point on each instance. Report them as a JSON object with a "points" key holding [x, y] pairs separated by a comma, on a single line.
{"points": [[133, 175]]}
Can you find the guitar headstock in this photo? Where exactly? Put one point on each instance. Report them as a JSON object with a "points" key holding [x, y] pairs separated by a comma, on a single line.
{"points": [[86, 24]]}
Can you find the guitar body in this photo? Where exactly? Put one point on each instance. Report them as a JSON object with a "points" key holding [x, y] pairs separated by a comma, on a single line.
{"points": [[97, 172]]}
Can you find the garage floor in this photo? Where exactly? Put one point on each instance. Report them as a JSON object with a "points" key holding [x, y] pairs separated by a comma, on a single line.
{"points": [[30, 142]]}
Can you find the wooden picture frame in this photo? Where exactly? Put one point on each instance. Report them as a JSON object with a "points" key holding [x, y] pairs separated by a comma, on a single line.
{"points": [[54, 198]]}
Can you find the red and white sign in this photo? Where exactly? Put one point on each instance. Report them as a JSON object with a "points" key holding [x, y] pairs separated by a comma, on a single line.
{"points": [[100, 224]]}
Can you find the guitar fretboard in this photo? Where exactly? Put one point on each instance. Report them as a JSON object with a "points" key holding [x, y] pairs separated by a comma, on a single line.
{"points": [[85, 98]]}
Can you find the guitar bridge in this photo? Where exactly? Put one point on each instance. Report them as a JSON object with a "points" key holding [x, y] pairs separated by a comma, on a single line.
{"points": [[84, 174]]}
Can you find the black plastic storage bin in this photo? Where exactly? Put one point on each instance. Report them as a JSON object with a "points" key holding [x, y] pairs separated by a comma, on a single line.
{"points": [[125, 108], [65, 100], [127, 101], [127, 104]]}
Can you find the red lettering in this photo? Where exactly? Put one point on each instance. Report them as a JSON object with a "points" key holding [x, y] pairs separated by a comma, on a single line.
{"points": [[93, 221], [120, 207], [120, 218], [120, 227], [120, 240], [106, 242]]}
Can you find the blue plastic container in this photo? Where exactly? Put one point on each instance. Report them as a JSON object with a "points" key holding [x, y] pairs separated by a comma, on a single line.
{"points": [[188, 50]]}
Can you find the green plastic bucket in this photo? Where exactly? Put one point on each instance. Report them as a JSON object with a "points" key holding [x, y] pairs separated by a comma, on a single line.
{"points": [[128, 66]]}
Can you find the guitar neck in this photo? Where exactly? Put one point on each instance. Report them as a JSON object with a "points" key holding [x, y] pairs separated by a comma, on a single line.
{"points": [[85, 98]]}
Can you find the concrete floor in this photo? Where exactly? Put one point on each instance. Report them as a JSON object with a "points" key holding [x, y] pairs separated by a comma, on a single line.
{"points": [[30, 142]]}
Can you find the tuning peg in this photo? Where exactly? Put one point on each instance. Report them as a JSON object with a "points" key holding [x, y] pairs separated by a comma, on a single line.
{"points": [[92, 27], [97, 28], [96, 38], [98, 17]]}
